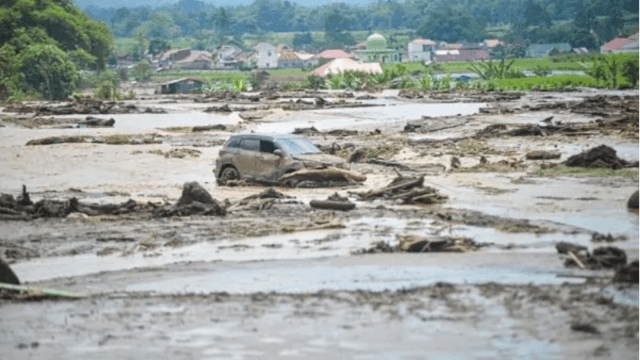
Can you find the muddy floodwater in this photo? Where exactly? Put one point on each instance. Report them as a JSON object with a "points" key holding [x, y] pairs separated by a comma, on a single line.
{"points": [[271, 276]]}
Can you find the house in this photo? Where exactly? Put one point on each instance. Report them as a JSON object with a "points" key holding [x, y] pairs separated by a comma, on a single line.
{"points": [[292, 59], [621, 45], [544, 50], [226, 57], [338, 66], [421, 50], [266, 56], [185, 59], [333, 54], [179, 86]]}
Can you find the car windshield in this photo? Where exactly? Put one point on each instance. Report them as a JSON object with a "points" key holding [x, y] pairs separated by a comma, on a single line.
{"points": [[297, 146]]}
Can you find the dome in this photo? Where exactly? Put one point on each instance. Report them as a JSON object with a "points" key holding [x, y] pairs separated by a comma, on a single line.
{"points": [[376, 41]]}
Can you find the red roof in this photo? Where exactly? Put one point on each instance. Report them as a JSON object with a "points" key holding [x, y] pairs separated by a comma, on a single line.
{"points": [[334, 54], [614, 44], [465, 55]]}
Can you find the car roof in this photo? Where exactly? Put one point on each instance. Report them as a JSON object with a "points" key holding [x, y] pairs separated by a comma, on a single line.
{"points": [[266, 136]]}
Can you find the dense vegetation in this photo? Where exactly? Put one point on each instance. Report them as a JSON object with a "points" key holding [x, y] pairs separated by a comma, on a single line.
{"points": [[586, 23], [43, 46]]}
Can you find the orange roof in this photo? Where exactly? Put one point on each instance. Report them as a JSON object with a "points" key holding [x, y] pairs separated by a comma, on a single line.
{"points": [[615, 44], [334, 54]]}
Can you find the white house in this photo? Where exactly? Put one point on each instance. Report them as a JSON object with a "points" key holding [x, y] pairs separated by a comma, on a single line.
{"points": [[267, 56], [421, 50]]}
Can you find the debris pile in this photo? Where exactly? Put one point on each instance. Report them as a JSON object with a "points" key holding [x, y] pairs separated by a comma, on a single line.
{"points": [[326, 177], [262, 201], [599, 157], [313, 131], [195, 200], [408, 190], [627, 273], [606, 257]]}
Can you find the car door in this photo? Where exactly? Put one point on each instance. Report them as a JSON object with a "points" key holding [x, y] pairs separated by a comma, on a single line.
{"points": [[267, 163], [248, 151]]}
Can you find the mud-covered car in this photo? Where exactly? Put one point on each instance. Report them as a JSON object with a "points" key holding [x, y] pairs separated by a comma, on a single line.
{"points": [[267, 158]]}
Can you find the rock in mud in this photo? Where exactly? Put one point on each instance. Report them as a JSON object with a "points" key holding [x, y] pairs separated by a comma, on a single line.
{"points": [[633, 201], [627, 273], [7, 275], [599, 157], [194, 192]]}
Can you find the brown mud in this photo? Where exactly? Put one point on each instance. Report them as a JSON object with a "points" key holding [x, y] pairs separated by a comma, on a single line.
{"points": [[455, 223]]}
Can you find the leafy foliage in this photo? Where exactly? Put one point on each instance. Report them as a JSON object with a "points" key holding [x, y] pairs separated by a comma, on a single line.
{"points": [[48, 71], [47, 42], [496, 70]]}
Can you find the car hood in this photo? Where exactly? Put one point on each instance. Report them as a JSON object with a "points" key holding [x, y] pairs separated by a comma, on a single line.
{"points": [[325, 159]]}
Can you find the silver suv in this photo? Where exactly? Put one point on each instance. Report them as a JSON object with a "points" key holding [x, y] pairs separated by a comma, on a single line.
{"points": [[265, 158]]}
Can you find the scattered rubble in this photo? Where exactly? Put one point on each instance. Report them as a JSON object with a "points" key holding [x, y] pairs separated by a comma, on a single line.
{"points": [[81, 105], [116, 139], [597, 237]]}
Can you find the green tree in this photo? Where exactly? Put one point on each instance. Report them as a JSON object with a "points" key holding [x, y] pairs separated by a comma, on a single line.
{"points": [[48, 71], [156, 46], [10, 71], [142, 71]]}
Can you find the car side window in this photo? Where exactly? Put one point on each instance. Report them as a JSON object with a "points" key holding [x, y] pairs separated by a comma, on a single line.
{"points": [[250, 144], [233, 143], [267, 146]]}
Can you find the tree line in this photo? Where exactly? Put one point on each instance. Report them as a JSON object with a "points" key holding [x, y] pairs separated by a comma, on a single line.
{"points": [[586, 23]]}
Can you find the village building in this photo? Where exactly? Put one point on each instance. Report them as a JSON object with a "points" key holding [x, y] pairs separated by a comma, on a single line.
{"points": [[266, 56], [421, 50], [621, 45], [544, 50], [231, 57], [462, 55], [339, 66], [184, 59], [179, 86], [377, 50], [292, 59]]}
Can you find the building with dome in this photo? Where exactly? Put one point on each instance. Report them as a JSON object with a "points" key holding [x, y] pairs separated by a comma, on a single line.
{"points": [[377, 50]]}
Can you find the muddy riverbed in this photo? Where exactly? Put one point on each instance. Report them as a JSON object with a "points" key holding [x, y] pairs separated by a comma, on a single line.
{"points": [[275, 277]]}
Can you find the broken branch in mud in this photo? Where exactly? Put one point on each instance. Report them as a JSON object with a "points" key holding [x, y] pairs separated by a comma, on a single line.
{"points": [[409, 190]]}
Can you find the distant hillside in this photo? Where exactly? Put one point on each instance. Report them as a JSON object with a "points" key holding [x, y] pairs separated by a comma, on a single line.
{"points": [[84, 4]]}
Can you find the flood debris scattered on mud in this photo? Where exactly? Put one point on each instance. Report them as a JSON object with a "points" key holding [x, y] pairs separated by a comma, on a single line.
{"points": [[627, 273], [195, 200], [325, 177], [7, 275], [605, 257], [81, 105], [116, 139], [413, 243], [407, 190]]}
